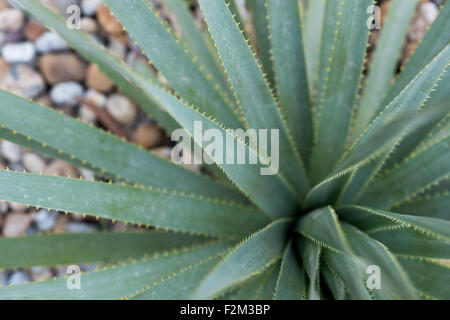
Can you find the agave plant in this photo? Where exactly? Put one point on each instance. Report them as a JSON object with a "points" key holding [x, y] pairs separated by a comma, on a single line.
{"points": [[358, 209]]}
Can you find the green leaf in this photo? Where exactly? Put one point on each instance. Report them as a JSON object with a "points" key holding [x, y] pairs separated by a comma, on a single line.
{"points": [[253, 256], [65, 249], [310, 253], [408, 242], [247, 177], [97, 149], [312, 33], [434, 42], [322, 227], [340, 76], [418, 171], [147, 206], [395, 283], [333, 282], [194, 40], [437, 206], [384, 62], [260, 25], [171, 59], [347, 270], [121, 281], [429, 278], [291, 283], [436, 228], [290, 71], [114, 68], [255, 97], [367, 150]]}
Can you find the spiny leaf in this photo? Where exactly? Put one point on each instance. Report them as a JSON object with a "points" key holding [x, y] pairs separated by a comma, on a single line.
{"points": [[339, 80], [437, 206], [251, 257], [290, 71], [65, 249], [384, 61], [418, 171], [97, 149], [291, 283], [122, 280], [255, 96], [408, 242], [310, 253], [170, 58], [146, 206]]}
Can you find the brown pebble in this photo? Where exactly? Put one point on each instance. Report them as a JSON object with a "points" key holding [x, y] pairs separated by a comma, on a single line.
{"points": [[108, 22], [33, 30], [95, 79], [147, 135], [16, 223], [62, 169], [62, 67]]}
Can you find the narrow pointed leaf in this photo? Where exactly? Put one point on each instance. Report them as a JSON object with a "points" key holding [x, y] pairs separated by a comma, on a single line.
{"points": [[117, 282], [310, 253], [253, 256], [94, 148], [291, 283], [170, 58], [255, 97], [65, 249], [339, 80], [384, 61], [434, 206], [290, 71], [147, 206]]}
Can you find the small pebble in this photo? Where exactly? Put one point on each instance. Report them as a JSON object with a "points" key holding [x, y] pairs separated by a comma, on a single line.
{"points": [[65, 93], [80, 227], [62, 67], [17, 206], [45, 220], [109, 23], [89, 25], [87, 174], [4, 207], [429, 12], [95, 79], [94, 97], [61, 169], [15, 224], [33, 163], [89, 7], [50, 42], [11, 20], [18, 277], [10, 151], [117, 48], [23, 80], [121, 108], [33, 30], [19, 52], [41, 273], [147, 135]]}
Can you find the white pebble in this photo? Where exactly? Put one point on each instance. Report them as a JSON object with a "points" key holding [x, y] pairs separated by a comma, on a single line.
{"points": [[45, 220], [10, 151], [429, 11], [49, 42], [89, 7], [18, 52], [121, 108], [33, 163], [65, 93], [11, 20]]}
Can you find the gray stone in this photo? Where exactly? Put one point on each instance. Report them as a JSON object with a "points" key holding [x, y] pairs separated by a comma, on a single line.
{"points": [[80, 227], [18, 277], [50, 42], [10, 151], [20, 52], [45, 220], [89, 7], [24, 81], [65, 93]]}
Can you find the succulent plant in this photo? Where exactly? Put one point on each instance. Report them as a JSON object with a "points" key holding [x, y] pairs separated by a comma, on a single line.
{"points": [[359, 208]]}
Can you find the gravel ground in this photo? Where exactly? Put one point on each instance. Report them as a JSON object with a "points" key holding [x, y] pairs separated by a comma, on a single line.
{"points": [[37, 64]]}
